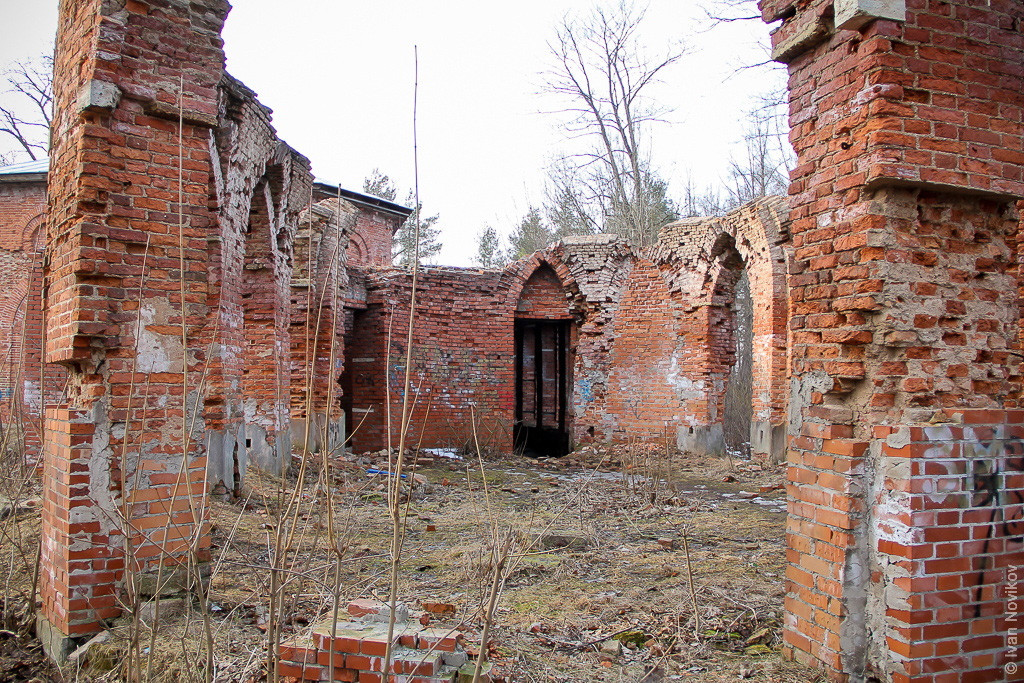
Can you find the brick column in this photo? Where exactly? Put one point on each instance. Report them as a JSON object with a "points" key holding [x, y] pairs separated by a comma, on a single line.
{"points": [[125, 459], [80, 561], [904, 460]]}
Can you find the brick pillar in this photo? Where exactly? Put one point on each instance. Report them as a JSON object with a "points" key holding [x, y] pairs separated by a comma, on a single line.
{"points": [[120, 481], [320, 283], [76, 585], [905, 449]]}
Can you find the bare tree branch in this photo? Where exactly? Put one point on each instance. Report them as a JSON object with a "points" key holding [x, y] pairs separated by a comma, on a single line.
{"points": [[728, 11], [602, 73], [31, 82]]}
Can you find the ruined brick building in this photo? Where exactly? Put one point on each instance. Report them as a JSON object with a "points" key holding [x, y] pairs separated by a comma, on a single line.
{"points": [[588, 340], [207, 305]]}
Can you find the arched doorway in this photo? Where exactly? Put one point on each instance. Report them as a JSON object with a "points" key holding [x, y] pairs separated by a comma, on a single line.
{"points": [[265, 373], [732, 335], [544, 339], [738, 403]]}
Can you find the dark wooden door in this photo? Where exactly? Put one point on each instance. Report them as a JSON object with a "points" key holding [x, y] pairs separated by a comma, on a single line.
{"points": [[542, 386]]}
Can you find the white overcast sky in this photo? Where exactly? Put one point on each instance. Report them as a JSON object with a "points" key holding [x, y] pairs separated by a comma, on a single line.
{"points": [[339, 77]]}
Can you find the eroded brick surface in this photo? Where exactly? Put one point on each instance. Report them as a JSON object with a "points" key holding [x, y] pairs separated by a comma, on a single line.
{"points": [[904, 326], [26, 385], [172, 210]]}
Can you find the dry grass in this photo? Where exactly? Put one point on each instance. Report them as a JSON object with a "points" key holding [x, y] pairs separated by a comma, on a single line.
{"points": [[558, 604]]}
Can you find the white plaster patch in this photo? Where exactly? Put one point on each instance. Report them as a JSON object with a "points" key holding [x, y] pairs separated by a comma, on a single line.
{"points": [[899, 438], [31, 394], [684, 386], [891, 508], [157, 352]]}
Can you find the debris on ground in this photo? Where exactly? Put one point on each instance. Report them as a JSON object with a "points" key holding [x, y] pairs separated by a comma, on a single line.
{"points": [[597, 590]]}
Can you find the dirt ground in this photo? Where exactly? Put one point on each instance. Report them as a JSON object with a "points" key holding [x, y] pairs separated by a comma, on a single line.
{"points": [[624, 565]]}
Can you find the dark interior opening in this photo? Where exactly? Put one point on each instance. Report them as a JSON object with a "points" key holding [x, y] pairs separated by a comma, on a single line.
{"points": [[542, 387], [738, 405], [347, 400]]}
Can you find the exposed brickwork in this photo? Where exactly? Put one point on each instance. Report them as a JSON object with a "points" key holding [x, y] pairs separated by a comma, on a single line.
{"points": [[260, 186], [320, 282], [650, 337], [647, 395], [371, 239], [543, 297], [905, 306], [376, 221], [157, 383], [462, 358], [900, 259], [948, 512], [24, 386], [701, 259], [355, 651], [932, 100]]}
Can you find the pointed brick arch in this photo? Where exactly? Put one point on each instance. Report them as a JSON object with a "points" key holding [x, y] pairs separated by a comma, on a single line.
{"points": [[518, 274], [545, 340], [700, 259]]}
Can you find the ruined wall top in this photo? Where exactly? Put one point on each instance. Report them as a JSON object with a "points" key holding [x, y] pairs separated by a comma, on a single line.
{"points": [[693, 248], [924, 94]]}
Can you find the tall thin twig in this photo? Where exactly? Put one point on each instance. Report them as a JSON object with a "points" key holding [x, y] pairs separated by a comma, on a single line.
{"points": [[395, 486]]}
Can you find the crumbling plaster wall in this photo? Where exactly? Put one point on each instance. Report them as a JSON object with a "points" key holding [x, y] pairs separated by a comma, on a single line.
{"points": [[164, 174], [905, 431]]}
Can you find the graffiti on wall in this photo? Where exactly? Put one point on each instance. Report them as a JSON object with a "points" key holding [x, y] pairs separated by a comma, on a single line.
{"points": [[995, 485]]}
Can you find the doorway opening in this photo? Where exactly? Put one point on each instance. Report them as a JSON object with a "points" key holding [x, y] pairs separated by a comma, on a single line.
{"points": [[738, 407], [542, 387]]}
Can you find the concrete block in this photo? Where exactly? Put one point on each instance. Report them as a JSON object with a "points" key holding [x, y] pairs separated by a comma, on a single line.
{"points": [[706, 440], [98, 95], [768, 441], [56, 644], [852, 14]]}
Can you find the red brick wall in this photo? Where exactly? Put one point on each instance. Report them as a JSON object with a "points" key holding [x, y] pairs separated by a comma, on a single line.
{"points": [[955, 523], [904, 314], [22, 205], [648, 396], [266, 373], [543, 297], [462, 359], [463, 349], [157, 388], [651, 339], [701, 260], [113, 188], [319, 321], [22, 243], [370, 243], [259, 192]]}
